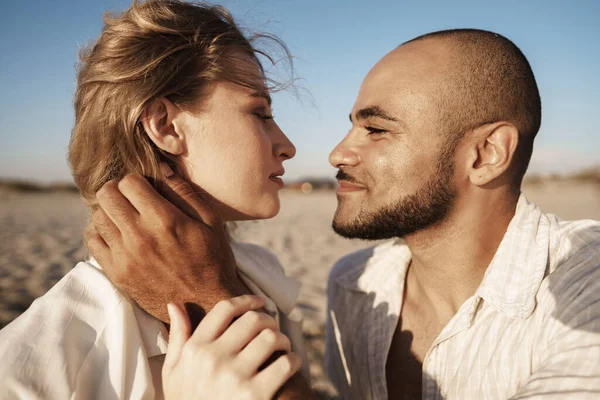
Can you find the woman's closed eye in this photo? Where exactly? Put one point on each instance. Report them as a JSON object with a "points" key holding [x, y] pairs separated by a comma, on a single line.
{"points": [[264, 117]]}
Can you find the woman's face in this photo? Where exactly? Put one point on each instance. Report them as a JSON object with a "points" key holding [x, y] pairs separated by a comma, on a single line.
{"points": [[235, 151]]}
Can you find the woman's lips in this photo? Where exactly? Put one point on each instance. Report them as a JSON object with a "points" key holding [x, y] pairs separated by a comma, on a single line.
{"points": [[346, 187], [277, 180]]}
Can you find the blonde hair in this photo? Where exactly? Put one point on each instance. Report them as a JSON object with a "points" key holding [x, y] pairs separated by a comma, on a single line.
{"points": [[156, 48]]}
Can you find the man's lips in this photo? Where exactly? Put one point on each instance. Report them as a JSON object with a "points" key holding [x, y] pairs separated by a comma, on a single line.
{"points": [[345, 187]]}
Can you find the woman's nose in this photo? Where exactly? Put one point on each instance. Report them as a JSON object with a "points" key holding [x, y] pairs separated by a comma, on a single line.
{"points": [[283, 147]]}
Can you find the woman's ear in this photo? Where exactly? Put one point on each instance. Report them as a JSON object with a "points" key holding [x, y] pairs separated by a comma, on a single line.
{"points": [[157, 120]]}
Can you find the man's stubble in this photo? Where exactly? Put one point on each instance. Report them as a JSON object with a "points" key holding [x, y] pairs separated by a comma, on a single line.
{"points": [[412, 213]]}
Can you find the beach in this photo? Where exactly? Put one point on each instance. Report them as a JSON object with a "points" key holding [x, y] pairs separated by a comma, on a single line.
{"points": [[41, 240]]}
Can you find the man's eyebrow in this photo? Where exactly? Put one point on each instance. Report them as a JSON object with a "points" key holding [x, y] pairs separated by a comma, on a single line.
{"points": [[373, 111], [264, 95]]}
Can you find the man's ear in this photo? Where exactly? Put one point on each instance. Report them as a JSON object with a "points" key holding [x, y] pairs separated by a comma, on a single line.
{"points": [[493, 151], [158, 122]]}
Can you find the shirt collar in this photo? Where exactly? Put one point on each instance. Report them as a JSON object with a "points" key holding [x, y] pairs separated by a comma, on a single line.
{"points": [[368, 269], [511, 280], [514, 275], [261, 269], [153, 332]]}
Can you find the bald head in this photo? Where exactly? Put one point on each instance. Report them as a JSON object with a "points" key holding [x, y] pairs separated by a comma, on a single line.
{"points": [[487, 79]]}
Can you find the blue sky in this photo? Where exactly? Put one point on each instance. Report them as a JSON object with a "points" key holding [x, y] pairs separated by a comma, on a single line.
{"points": [[335, 44]]}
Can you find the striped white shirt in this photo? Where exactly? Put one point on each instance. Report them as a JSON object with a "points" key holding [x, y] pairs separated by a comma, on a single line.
{"points": [[531, 330]]}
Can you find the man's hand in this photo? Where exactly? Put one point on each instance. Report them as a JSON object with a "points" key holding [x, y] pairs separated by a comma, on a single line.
{"points": [[170, 249], [163, 250], [219, 361]]}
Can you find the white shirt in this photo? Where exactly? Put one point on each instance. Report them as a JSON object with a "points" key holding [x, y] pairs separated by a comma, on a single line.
{"points": [[531, 330], [86, 340]]}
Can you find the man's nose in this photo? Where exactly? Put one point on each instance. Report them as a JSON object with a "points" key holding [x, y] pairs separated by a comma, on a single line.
{"points": [[344, 154]]}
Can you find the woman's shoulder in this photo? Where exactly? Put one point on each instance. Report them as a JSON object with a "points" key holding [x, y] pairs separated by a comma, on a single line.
{"points": [[84, 293], [81, 302], [58, 331]]}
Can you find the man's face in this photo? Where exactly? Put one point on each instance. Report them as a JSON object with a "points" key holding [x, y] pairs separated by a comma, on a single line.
{"points": [[396, 163]]}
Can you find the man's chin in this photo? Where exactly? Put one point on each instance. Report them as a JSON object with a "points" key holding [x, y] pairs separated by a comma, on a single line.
{"points": [[349, 226], [357, 231]]}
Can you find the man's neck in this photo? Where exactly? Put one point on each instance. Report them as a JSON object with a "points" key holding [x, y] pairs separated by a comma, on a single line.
{"points": [[450, 259]]}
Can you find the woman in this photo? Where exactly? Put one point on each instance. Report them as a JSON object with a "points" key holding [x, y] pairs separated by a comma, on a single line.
{"points": [[173, 82]]}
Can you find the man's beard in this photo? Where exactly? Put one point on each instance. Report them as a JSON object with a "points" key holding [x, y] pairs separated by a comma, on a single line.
{"points": [[425, 208]]}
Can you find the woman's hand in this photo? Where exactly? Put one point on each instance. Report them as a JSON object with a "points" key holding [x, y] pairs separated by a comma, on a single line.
{"points": [[221, 360]]}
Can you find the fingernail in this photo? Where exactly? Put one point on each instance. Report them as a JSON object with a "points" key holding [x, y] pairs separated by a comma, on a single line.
{"points": [[166, 170], [170, 311]]}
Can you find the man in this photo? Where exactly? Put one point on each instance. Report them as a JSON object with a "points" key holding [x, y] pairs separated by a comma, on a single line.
{"points": [[481, 295], [486, 297]]}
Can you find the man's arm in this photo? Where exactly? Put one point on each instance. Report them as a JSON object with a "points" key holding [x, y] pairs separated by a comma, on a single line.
{"points": [[171, 249]]}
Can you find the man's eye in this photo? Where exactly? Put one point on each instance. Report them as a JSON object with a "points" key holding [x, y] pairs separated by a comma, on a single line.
{"points": [[264, 117], [374, 131]]}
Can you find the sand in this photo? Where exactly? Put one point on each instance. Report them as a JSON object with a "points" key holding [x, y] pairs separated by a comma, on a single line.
{"points": [[41, 240]]}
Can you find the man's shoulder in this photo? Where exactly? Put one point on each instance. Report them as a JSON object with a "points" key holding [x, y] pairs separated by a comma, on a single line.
{"points": [[573, 235], [574, 269], [574, 246]]}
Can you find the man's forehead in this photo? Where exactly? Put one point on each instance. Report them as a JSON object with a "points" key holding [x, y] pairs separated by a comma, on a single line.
{"points": [[408, 71], [400, 103], [417, 61]]}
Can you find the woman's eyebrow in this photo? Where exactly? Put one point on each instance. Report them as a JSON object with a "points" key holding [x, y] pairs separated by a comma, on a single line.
{"points": [[264, 95]]}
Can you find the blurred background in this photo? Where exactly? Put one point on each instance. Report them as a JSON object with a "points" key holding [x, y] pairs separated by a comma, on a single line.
{"points": [[334, 43]]}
